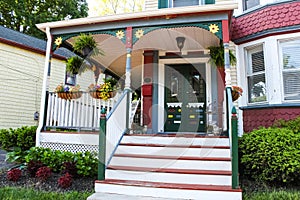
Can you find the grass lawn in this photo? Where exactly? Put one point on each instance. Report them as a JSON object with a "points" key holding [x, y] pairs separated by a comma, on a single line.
{"points": [[11, 193], [273, 195]]}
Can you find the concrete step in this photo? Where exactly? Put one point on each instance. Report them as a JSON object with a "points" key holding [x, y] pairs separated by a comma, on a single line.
{"points": [[176, 140], [166, 190], [171, 162], [164, 175], [173, 151]]}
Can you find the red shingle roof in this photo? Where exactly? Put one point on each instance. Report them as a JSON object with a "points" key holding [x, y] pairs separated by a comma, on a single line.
{"points": [[268, 18]]}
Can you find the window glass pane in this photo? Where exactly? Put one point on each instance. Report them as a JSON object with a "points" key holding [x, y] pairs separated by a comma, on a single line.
{"points": [[291, 52], [291, 83], [258, 63], [257, 88], [179, 3], [291, 69], [250, 3]]}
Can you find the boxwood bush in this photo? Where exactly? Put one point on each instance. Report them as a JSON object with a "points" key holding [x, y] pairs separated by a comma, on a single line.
{"points": [[22, 138], [271, 155]]}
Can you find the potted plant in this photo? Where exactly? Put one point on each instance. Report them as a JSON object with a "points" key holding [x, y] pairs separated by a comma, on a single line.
{"points": [[236, 92], [103, 91], [68, 92], [85, 44], [75, 65]]}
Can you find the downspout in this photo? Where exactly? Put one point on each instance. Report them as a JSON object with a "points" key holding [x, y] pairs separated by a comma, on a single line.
{"points": [[45, 89]]}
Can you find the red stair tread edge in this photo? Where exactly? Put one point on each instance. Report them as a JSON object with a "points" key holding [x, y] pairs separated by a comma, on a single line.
{"points": [[173, 157], [175, 145], [169, 185], [170, 170], [176, 135]]}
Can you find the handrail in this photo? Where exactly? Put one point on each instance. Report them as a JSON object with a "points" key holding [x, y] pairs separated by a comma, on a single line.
{"points": [[116, 124], [117, 104], [233, 138]]}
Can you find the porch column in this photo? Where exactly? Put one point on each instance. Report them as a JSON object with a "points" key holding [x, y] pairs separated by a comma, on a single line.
{"points": [[128, 57], [45, 89], [225, 27]]}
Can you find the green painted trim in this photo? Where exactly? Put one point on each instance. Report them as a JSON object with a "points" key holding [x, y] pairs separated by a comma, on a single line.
{"points": [[234, 149], [102, 145], [145, 30], [106, 32], [203, 25]]}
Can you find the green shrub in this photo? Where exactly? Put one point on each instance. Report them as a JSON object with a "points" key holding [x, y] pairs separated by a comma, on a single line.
{"points": [[23, 138], [86, 163], [271, 155], [293, 124]]}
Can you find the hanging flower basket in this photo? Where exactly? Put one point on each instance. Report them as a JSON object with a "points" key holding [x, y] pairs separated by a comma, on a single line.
{"points": [[100, 95], [69, 95], [236, 92], [235, 95], [68, 92]]}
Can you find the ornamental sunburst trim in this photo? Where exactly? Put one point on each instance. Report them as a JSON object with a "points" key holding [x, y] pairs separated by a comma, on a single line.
{"points": [[58, 41], [139, 33], [120, 34], [214, 28]]}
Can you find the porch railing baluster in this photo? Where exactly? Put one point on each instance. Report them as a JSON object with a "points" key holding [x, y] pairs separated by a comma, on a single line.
{"points": [[82, 113]]}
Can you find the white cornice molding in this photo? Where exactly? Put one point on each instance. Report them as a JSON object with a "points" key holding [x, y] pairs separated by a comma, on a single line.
{"points": [[166, 12]]}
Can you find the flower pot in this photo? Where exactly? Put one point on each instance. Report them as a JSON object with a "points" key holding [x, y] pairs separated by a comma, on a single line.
{"points": [[69, 95], [97, 95], [235, 95], [86, 51]]}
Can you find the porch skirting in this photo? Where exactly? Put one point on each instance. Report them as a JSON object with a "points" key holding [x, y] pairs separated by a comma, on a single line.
{"points": [[72, 142]]}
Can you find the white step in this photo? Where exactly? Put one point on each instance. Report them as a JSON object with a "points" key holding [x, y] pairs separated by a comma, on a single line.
{"points": [[173, 151], [169, 163], [203, 141], [207, 179], [176, 193]]}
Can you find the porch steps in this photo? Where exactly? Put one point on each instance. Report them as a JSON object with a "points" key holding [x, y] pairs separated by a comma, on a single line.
{"points": [[171, 166]]}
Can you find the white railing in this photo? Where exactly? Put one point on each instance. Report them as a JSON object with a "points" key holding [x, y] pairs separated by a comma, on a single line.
{"points": [[116, 124], [81, 113]]}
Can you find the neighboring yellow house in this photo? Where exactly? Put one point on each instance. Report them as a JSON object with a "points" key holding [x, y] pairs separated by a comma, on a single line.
{"points": [[21, 72]]}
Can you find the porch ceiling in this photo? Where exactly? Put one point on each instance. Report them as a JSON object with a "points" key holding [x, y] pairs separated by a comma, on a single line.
{"points": [[114, 57]]}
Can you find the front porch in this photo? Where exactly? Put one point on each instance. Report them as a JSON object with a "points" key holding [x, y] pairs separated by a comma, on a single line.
{"points": [[162, 58]]}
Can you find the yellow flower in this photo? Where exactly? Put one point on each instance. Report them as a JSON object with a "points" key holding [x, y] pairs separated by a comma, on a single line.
{"points": [[139, 33], [120, 34], [58, 41], [213, 28]]}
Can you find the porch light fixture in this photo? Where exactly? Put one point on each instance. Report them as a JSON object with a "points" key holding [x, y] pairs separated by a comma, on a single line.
{"points": [[180, 42]]}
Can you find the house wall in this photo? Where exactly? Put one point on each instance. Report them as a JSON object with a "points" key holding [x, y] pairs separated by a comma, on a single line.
{"points": [[275, 107], [266, 25], [153, 4], [21, 84]]}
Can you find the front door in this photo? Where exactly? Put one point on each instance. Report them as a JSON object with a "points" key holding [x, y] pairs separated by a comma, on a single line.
{"points": [[185, 97]]}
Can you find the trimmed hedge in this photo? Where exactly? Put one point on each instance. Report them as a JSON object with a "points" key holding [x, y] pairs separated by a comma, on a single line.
{"points": [[22, 138], [271, 155]]}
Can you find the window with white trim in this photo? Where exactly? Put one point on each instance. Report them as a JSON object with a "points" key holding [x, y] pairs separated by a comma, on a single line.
{"points": [[247, 4], [256, 78], [290, 59], [180, 3]]}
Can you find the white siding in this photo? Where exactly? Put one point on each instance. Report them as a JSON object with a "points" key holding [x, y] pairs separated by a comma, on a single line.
{"points": [[21, 84], [151, 5]]}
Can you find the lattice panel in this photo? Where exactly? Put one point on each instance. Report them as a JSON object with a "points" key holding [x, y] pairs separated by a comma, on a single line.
{"points": [[74, 148]]}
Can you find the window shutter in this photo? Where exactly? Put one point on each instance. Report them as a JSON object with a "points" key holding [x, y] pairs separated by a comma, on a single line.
{"points": [[162, 4], [209, 1]]}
